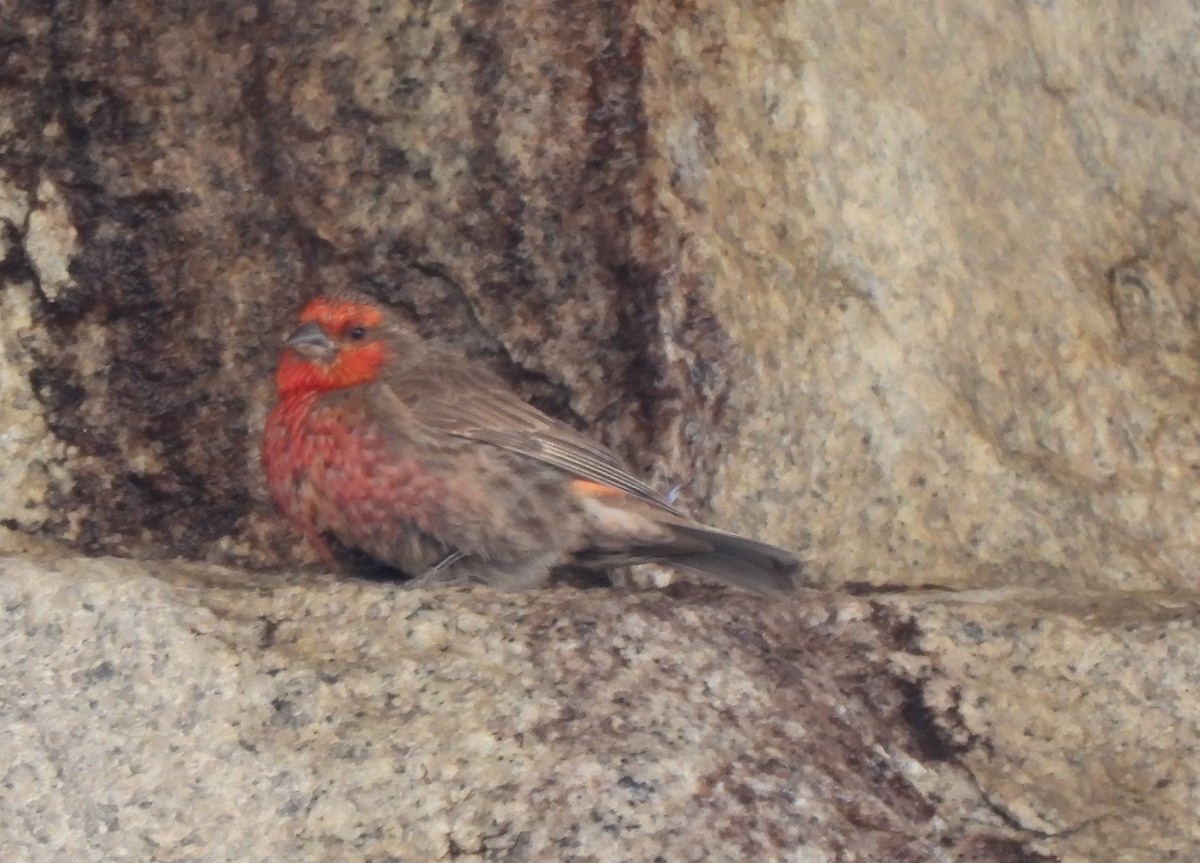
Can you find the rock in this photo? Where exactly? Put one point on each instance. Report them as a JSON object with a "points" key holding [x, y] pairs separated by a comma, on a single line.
{"points": [[911, 294], [157, 711], [1074, 713], [174, 712], [914, 293]]}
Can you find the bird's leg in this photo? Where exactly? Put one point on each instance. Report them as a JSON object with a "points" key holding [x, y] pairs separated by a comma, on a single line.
{"points": [[431, 573], [521, 575]]}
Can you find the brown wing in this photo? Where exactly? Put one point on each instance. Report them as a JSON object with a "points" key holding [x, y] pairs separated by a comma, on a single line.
{"points": [[447, 394]]}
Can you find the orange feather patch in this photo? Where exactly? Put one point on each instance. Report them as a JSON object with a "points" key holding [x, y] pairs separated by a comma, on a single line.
{"points": [[595, 489]]}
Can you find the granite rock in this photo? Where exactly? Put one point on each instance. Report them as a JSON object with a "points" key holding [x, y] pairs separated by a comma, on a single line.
{"points": [[914, 292], [165, 712], [176, 712], [1076, 714]]}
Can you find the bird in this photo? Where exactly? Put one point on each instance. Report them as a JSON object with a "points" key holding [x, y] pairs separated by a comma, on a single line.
{"points": [[396, 455]]}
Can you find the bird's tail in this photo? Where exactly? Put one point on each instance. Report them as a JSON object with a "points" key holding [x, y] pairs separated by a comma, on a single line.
{"points": [[736, 560], [727, 557], [630, 528]]}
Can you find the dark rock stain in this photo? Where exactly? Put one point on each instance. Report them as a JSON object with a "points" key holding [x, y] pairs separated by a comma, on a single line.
{"points": [[208, 206]]}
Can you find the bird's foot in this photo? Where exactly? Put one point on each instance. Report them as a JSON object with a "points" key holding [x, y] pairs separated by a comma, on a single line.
{"points": [[437, 573]]}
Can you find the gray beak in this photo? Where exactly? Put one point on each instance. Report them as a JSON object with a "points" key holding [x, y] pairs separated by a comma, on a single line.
{"points": [[310, 342]]}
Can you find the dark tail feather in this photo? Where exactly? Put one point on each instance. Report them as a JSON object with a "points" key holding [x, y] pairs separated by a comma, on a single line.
{"points": [[736, 560]]}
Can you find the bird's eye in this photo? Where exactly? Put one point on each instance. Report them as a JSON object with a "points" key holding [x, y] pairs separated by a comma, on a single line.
{"points": [[356, 333]]}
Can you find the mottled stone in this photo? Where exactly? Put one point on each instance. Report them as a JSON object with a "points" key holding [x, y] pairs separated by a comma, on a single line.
{"points": [[200, 170], [32, 460], [1076, 715], [960, 248], [914, 292], [169, 713]]}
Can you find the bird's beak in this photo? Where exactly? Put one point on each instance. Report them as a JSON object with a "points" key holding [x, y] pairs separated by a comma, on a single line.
{"points": [[310, 342]]}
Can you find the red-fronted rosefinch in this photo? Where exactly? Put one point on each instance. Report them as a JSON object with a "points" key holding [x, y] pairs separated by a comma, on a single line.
{"points": [[387, 450]]}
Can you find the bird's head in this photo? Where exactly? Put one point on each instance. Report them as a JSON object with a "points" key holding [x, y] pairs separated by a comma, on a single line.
{"points": [[341, 342]]}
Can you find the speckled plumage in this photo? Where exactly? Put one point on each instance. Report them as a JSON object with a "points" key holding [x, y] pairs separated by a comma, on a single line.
{"points": [[387, 449]]}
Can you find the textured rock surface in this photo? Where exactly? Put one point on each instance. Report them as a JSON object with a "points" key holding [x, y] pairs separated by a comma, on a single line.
{"points": [[176, 179], [169, 713], [144, 720], [1078, 716], [976, 237], [916, 292]]}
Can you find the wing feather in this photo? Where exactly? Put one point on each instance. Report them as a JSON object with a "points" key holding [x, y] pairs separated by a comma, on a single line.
{"points": [[444, 393]]}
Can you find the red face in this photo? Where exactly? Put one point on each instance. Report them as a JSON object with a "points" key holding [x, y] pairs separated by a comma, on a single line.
{"points": [[337, 345], [338, 317]]}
